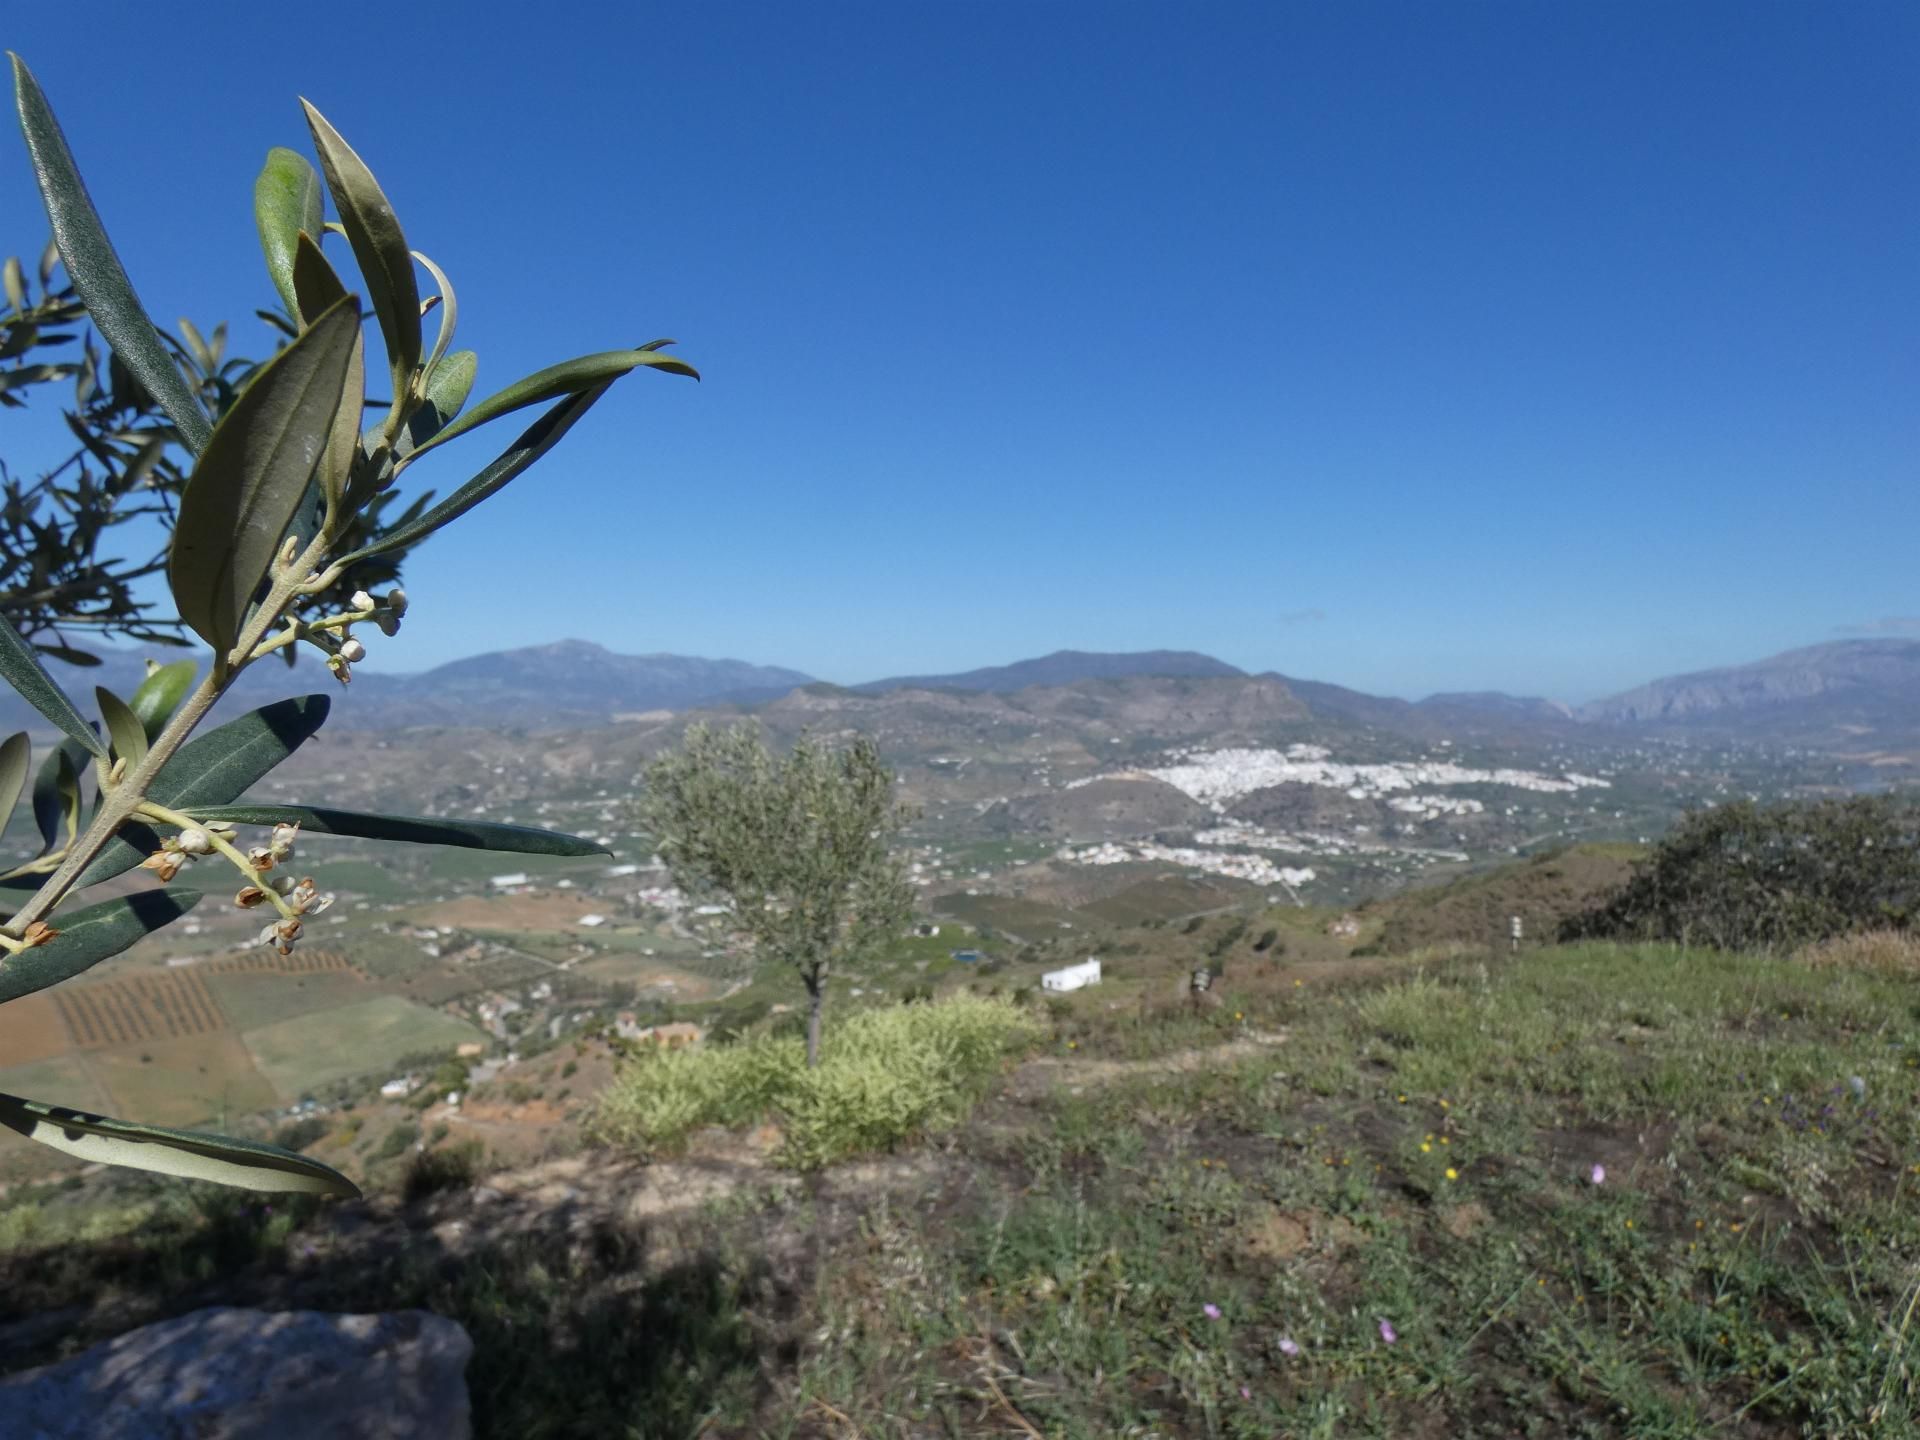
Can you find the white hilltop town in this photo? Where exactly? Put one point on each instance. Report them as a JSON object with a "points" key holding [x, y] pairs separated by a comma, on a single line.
{"points": [[1217, 777], [1214, 777]]}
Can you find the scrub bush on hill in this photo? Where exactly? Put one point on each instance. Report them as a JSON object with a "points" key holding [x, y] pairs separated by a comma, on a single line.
{"points": [[1748, 877], [889, 1075]]}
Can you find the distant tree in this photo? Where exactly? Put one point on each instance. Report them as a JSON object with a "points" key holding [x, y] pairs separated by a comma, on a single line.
{"points": [[800, 848]]}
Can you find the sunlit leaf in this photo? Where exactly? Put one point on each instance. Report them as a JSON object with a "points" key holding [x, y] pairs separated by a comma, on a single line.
{"points": [[197, 346], [95, 269], [569, 378], [539, 437], [160, 694], [129, 736], [16, 755], [190, 1154], [249, 481], [417, 830], [90, 935], [447, 389], [20, 667], [15, 280], [379, 247], [214, 769], [449, 304], [286, 201]]}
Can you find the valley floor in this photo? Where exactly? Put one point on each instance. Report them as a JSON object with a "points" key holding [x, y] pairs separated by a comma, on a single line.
{"points": [[1586, 1191]]}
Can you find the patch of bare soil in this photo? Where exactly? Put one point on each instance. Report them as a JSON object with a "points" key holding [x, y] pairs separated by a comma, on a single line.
{"points": [[1038, 1077]]}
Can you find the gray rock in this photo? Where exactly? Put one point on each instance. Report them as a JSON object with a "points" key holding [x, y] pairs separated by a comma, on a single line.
{"points": [[230, 1374]]}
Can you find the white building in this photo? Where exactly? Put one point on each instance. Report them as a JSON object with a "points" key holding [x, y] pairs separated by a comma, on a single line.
{"points": [[508, 882], [1074, 977]]}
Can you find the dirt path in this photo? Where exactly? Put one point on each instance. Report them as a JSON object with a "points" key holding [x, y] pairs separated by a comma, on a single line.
{"points": [[1036, 1077]]}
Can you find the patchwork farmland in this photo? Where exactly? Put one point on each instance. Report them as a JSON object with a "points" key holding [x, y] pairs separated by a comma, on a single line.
{"points": [[186, 1045]]}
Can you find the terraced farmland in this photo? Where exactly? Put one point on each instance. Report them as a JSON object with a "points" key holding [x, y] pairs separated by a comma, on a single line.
{"points": [[137, 1008]]}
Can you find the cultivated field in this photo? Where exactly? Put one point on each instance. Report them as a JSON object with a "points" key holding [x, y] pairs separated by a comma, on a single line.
{"points": [[308, 1051]]}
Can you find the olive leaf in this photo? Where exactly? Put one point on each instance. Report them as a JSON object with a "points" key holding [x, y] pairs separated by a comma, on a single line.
{"points": [[249, 480], [412, 829], [90, 935], [379, 247], [315, 284], [569, 378], [16, 755], [20, 667], [448, 385], [535, 441], [214, 769], [124, 728], [59, 775], [286, 203], [95, 268], [243, 1164]]}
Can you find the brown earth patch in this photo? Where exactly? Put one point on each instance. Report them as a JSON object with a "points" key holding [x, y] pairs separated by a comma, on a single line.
{"points": [[30, 1030], [548, 910], [1464, 1221]]}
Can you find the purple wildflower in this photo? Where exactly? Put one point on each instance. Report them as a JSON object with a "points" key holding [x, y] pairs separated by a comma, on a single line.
{"points": [[1288, 1347], [1599, 1175], [1388, 1333], [1210, 1310], [1245, 1393]]}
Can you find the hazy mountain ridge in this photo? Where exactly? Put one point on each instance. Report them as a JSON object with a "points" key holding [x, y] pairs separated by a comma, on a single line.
{"points": [[1064, 667], [1856, 687], [1845, 695]]}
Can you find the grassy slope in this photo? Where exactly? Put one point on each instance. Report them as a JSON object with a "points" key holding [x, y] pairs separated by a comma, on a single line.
{"points": [[1543, 890], [1746, 1268]]}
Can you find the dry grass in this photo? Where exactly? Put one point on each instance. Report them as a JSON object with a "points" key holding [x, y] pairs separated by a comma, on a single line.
{"points": [[1880, 952]]}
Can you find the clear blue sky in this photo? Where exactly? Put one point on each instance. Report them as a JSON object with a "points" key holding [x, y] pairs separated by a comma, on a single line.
{"points": [[1543, 347]]}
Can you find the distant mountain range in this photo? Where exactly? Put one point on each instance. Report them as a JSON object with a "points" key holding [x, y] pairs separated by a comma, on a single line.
{"points": [[1861, 694], [1062, 667]]}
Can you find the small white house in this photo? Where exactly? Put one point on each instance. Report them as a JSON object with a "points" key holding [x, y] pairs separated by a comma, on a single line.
{"points": [[592, 922], [1074, 977], [508, 882]]}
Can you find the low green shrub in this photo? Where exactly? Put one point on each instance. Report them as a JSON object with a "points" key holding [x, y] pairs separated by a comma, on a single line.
{"points": [[448, 1167], [885, 1075], [1779, 877], [398, 1139]]}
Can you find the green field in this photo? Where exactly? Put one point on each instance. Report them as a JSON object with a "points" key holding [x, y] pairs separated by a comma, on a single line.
{"points": [[362, 1039], [64, 1080], [185, 1081], [1168, 898], [252, 999], [1008, 914]]}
